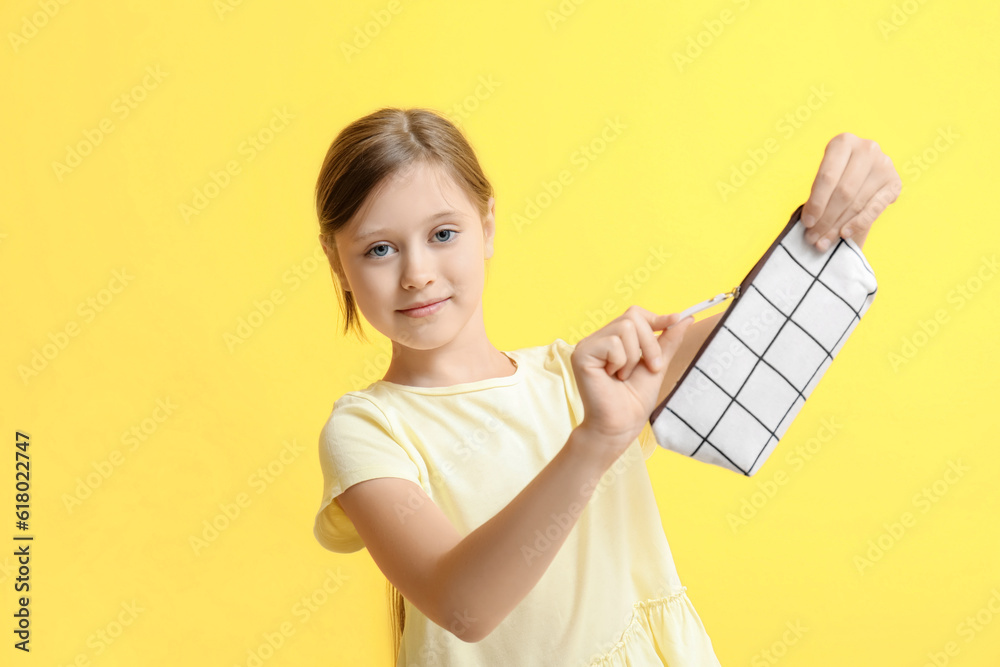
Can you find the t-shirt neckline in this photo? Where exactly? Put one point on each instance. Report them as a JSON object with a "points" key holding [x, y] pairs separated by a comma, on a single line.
{"points": [[464, 387]]}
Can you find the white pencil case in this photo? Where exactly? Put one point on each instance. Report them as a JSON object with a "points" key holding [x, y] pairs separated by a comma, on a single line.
{"points": [[788, 319]]}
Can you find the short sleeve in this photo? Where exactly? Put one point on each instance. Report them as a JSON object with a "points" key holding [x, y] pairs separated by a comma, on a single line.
{"points": [[355, 444], [647, 441], [559, 361]]}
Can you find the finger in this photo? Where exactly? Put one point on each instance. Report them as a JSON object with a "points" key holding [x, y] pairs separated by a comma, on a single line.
{"points": [[655, 357], [669, 340], [848, 222], [611, 350], [835, 159], [844, 200], [669, 320], [652, 356], [645, 348], [881, 189], [662, 322], [627, 334], [859, 225], [645, 331]]}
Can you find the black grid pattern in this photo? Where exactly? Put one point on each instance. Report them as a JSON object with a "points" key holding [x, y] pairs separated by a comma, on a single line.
{"points": [[774, 346]]}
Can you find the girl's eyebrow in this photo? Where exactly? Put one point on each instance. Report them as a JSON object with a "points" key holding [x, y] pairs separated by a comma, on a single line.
{"points": [[430, 219]]}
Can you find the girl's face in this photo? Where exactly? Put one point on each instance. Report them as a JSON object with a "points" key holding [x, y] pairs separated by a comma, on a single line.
{"points": [[419, 240]]}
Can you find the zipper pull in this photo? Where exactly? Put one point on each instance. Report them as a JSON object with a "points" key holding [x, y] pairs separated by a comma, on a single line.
{"points": [[717, 299]]}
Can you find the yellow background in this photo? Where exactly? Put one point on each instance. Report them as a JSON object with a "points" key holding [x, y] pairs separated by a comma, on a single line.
{"points": [[530, 83]]}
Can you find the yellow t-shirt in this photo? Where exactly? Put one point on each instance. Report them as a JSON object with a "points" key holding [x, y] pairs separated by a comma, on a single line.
{"points": [[611, 596]]}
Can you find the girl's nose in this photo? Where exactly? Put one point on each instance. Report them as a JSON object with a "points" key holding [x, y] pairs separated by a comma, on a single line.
{"points": [[418, 269]]}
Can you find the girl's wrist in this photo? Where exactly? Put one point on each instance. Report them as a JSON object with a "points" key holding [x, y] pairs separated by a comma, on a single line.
{"points": [[601, 448]]}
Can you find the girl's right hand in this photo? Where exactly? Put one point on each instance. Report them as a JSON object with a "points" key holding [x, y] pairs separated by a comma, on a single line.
{"points": [[619, 370]]}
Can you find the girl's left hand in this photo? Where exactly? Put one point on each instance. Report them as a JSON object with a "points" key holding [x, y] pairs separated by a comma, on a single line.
{"points": [[855, 183]]}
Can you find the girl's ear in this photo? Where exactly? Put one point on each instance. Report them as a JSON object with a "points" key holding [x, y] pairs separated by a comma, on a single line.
{"points": [[489, 228]]}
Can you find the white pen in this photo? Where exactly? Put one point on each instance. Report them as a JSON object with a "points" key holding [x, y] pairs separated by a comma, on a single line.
{"points": [[697, 308]]}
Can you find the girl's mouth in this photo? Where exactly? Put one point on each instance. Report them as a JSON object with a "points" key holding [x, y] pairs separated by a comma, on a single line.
{"points": [[423, 311]]}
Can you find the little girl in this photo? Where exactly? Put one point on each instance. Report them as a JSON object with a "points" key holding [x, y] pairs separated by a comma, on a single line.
{"points": [[503, 493]]}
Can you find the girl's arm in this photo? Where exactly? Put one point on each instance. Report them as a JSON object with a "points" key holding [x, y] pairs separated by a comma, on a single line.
{"points": [[469, 585]]}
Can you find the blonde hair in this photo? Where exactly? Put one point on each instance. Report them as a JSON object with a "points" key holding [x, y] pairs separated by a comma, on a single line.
{"points": [[359, 162]]}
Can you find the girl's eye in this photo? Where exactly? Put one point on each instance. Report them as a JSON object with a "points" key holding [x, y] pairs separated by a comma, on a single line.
{"points": [[372, 252]]}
